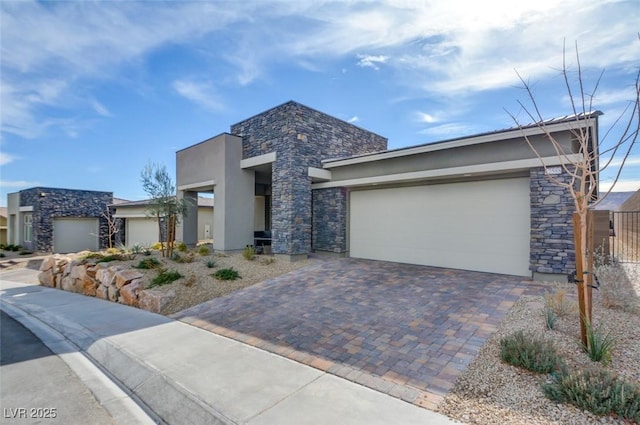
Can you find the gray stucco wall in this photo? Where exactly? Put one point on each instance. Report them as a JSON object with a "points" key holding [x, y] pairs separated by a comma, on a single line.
{"points": [[552, 246], [301, 137], [49, 203]]}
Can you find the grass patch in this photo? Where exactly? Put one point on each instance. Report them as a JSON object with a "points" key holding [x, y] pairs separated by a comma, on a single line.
{"points": [[165, 277], [596, 390], [227, 274], [249, 252], [147, 263], [529, 352], [600, 345]]}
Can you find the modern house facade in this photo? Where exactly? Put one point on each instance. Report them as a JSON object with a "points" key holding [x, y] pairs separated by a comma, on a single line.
{"points": [[58, 220], [320, 184]]}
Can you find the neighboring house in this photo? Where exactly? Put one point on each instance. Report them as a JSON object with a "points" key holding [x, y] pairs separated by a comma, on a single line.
{"points": [[58, 220], [320, 184], [632, 203], [3, 225], [138, 228]]}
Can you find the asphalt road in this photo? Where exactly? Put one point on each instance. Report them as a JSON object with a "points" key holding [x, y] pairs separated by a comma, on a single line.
{"points": [[37, 387]]}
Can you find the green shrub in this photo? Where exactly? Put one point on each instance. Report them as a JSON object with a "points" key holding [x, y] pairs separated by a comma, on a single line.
{"points": [[600, 345], [249, 252], [2, 255], [113, 251], [157, 246], [137, 249], [182, 247], [211, 264], [596, 390], [529, 352], [164, 278], [227, 274], [203, 250], [147, 263], [186, 258], [109, 258], [550, 317]]}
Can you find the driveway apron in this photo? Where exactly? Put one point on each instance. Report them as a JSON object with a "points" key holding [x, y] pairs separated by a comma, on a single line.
{"points": [[406, 330]]}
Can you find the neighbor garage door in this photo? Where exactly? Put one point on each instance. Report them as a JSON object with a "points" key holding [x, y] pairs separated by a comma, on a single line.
{"points": [[481, 226], [141, 231], [75, 234]]}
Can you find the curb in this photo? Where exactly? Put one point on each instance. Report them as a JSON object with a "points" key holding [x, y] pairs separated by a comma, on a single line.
{"points": [[132, 391]]}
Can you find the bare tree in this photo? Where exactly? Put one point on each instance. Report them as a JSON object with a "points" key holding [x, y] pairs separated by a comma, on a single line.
{"points": [[163, 205], [113, 224], [585, 171]]}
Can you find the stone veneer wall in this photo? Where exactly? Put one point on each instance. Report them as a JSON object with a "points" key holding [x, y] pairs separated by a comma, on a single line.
{"points": [[552, 247], [64, 203], [329, 220], [302, 137]]}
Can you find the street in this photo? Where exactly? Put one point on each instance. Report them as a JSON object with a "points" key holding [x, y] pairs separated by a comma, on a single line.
{"points": [[36, 386]]}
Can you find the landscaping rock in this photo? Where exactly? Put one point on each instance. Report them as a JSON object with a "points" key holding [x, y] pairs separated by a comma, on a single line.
{"points": [[89, 286], [48, 264], [154, 300], [67, 284], [101, 292], [112, 293], [46, 278], [123, 277], [129, 293], [107, 276]]}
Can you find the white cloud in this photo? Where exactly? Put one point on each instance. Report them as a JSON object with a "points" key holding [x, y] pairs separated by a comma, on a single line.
{"points": [[372, 61], [425, 117], [449, 129], [202, 93], [621, 186], [100, 108], [353, 119], [6, 158], [18, 183]]}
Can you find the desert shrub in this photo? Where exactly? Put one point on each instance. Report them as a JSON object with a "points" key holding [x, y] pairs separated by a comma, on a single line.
{"points": [[2, 255], [265, 261], [184, 258], [529, 352], [190, 280], [147, 263], [600, 344], [203, 250], [13, 248], [109, 258], [596, 390], [137, 249], [211, 264], [557, 302], [550, 317], [249, 252], [182, 247], [227, 274], [616, 290], [165, 277], [157, 246], [112, 251]]}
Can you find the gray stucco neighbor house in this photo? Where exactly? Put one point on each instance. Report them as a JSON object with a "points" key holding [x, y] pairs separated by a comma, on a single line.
{"points": [[320, 184], [58, 220]]}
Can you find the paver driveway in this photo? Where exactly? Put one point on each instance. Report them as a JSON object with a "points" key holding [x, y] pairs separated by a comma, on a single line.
{"points": [[405, 330]]}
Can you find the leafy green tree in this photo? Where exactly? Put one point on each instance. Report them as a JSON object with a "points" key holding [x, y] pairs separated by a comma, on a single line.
{"points": [[163, 205]]}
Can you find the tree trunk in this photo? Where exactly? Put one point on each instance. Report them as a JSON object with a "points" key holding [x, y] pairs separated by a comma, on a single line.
{"points": [[583, 273]]}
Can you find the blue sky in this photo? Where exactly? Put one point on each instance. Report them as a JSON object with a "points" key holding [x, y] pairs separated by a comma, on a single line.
{"points": [[93, 91]]}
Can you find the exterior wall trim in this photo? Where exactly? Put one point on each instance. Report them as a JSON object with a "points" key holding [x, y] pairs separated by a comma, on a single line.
{"points": [[496, 167], [26, 209], [484, 138], [319, 174], [197, 185], [255, 161]]}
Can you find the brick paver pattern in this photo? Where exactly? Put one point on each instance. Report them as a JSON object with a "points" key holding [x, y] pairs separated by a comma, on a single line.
{"points": [[406, 330]]}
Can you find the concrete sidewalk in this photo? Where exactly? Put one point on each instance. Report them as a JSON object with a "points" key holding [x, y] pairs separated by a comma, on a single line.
{"points": [[187, 375]]}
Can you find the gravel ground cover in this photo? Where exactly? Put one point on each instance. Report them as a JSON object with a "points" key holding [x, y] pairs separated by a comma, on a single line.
{"points": [[492, 392]]}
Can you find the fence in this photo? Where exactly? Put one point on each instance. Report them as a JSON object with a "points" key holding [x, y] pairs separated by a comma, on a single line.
{"points": [[625, 240]]}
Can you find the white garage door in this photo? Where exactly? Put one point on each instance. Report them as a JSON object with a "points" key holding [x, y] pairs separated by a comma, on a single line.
{"points": [[482, 226], [75, 234], [141, 231]]}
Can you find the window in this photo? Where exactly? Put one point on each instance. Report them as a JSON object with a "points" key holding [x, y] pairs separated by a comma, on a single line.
{"points": [[28, 227]]}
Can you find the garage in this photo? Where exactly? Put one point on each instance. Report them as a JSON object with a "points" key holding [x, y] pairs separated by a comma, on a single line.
{"points": [[141, 231], [479, 225], [73, 234]]}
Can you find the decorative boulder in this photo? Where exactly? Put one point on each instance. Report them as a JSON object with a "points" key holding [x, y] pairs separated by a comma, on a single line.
{"points": [[123, 277], [154, 300], [129, 293]]}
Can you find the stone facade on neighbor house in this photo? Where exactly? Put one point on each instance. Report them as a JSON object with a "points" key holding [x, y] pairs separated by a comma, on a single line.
{"points": [[552, 247], [42, 205], [302, 137]]}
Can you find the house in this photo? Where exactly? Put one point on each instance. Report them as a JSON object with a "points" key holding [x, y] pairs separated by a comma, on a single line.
{"points": [[138, 228], [58, 220], [3, 225], [320, 184]]}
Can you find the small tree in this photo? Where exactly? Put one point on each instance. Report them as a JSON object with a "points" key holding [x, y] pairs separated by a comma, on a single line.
{"points": [[585, 171], [163, 205], [113, 224]]}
